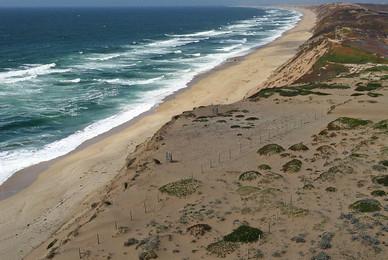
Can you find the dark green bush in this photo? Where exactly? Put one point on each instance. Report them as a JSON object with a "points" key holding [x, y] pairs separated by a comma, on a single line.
{"points": [[292, 166], [244, 234], [366, 205], [270, 149], [378, 193], [347, 123]]}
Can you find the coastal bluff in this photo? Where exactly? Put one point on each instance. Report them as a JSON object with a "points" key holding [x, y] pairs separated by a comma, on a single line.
{"points": [[298, 169]]}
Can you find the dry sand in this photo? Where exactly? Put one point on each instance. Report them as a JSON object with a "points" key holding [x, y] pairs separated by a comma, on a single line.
{"points": [[29, 217]]}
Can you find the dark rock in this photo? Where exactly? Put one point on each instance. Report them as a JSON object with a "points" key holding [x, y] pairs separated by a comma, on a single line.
{"points": [[131, 242], [130, 161], [299, 238], [331, 189], [52, 244]]}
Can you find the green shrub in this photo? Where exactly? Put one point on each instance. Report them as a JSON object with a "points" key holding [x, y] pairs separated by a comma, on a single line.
{"points": [[249, 176], [327, 150], [366, 205], [264, 167], [292, 166], [222, 248], [181, 188], [270, 149], [374, 95], [382, 125], [369, 87], [384, 162], [378, 193], [320, 85], [244, 234], [377, 68], [198, 230], [292, 91], [382, 180], [347, 123], [299, 147]]}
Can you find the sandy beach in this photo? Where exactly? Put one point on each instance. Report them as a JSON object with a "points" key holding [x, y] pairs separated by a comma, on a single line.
{"points": [[48, 195]]}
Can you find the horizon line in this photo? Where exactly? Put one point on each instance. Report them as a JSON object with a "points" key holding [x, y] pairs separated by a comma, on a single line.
{"points": [[128, 6]]}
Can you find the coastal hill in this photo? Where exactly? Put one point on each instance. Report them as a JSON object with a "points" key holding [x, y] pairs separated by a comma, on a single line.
{"points": [[297, 170]]}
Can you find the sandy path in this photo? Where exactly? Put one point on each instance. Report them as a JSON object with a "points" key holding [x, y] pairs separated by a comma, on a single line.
{"points": [[30, 216]]}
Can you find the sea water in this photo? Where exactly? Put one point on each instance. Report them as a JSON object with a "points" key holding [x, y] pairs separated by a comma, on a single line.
{"points": [[68, 75]]}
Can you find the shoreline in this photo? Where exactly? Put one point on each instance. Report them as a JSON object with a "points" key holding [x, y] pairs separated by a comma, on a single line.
{"points": [[57, 190], [25, 177]]}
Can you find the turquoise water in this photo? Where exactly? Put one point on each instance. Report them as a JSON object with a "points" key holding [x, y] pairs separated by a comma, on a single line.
{"points": [[68, 75]]}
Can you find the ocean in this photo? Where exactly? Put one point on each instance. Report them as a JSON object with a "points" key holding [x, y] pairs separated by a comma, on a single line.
{"points": [[68, 75]]}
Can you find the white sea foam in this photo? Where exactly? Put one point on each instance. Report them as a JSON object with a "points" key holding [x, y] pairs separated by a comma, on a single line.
{"points": [[244, 40], [104, 57], [29, 72], [77, 80], [196, 54], [14, 161], [210, 33], [131, 82], [230, 48], [175, 42]]}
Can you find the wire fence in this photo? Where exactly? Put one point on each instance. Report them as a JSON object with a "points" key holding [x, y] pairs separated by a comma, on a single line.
{"points": [[210, 157], [213, 156]]}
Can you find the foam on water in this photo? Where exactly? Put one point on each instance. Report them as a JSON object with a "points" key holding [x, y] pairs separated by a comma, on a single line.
{"points": [[210, 33], [131, 82], [29, 72], [104, 57], [77, 80], [229, 48]]}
